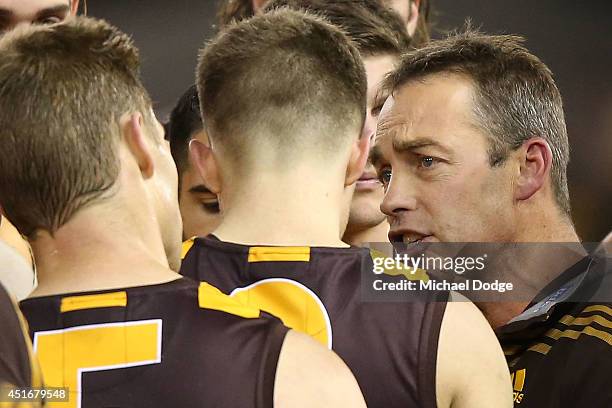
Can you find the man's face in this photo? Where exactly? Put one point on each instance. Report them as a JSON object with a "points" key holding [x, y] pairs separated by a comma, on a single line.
{"points": [[365, 207], [199, 207], [15, 12], [434, 163]]}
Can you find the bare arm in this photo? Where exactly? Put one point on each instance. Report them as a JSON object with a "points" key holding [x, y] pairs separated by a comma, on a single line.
{"points": [[471, 369], [309, 375]]}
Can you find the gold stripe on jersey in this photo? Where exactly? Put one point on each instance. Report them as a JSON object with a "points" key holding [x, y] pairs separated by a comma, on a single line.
{"points": [[598, 308], [574, 334], [541, 348], [212, 298], [569, 320], [279, 254], [114, 299], [187, 246]]}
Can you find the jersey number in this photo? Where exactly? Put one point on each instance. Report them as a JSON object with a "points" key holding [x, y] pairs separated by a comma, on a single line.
{"points": [[66, 354], [296, 305]]}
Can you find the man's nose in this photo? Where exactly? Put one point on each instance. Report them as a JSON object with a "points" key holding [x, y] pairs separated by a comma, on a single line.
{"points": [[399, 197]]}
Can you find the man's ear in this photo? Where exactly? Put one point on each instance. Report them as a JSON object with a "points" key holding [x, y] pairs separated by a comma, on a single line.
{"points": [[535, 159], [358, 160], [74, 7], [413, 17], [132, 128], [258, 4], [204, 160]]}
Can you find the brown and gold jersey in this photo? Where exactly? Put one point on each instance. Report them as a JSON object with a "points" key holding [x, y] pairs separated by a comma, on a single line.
{"points": [[178, 344], [391, 347], [559, 349], [18, 368]]}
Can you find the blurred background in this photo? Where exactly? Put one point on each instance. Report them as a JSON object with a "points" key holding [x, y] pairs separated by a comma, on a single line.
{"points": [[573, 38]]}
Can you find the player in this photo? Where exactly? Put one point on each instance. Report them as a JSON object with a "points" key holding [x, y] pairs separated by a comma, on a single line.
{"points": [[283, 99], [472, 147], [199, 207], [109, 319], [414, 14], [378, 33], [12, 14], [380, 37]]}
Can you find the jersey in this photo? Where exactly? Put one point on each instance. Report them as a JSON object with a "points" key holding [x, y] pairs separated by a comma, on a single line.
{"points": [[391, 347], [559, 349], [177, 344], [18, 368]]}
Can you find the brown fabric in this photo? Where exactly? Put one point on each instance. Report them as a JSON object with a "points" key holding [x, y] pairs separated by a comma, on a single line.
{"points": [[209, 358], [560, 356], [391, 347]]}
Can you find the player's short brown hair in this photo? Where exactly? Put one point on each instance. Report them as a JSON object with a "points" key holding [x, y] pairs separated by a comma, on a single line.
{"points": [[285, 80], [237, 10], [516, 97], [373, 27], [63, 89]]}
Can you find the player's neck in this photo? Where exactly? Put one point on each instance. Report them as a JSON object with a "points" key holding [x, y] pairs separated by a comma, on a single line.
{"points": [[539, 219], [285, 212], [88, 254], [358, 237]]}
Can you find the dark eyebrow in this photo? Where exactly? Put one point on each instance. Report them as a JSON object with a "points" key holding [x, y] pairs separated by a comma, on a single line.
{"points": [[400, 145], [61, 8], [200, 188]]}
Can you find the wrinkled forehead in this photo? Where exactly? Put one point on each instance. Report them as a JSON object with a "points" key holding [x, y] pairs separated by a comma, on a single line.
{"points": [[390, 120]]}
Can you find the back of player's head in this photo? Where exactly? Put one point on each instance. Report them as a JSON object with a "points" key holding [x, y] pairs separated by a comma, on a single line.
{"points": [[374, 28], [516, 97], [63, 89], [184, 121], [281, 87]]}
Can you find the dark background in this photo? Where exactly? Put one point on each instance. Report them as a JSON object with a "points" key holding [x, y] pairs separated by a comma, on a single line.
{"points": [[574, 38]]}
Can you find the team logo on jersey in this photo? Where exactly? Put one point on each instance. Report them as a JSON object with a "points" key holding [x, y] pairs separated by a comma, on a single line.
{"points": [[296, 305], [518, 383]]}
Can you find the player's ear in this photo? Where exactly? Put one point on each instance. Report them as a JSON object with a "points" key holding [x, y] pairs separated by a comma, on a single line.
{"points": [[413, 17], [203, 159], [358, 159], [535, 161], [133, 132], [258, 4], [74, 7]]}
